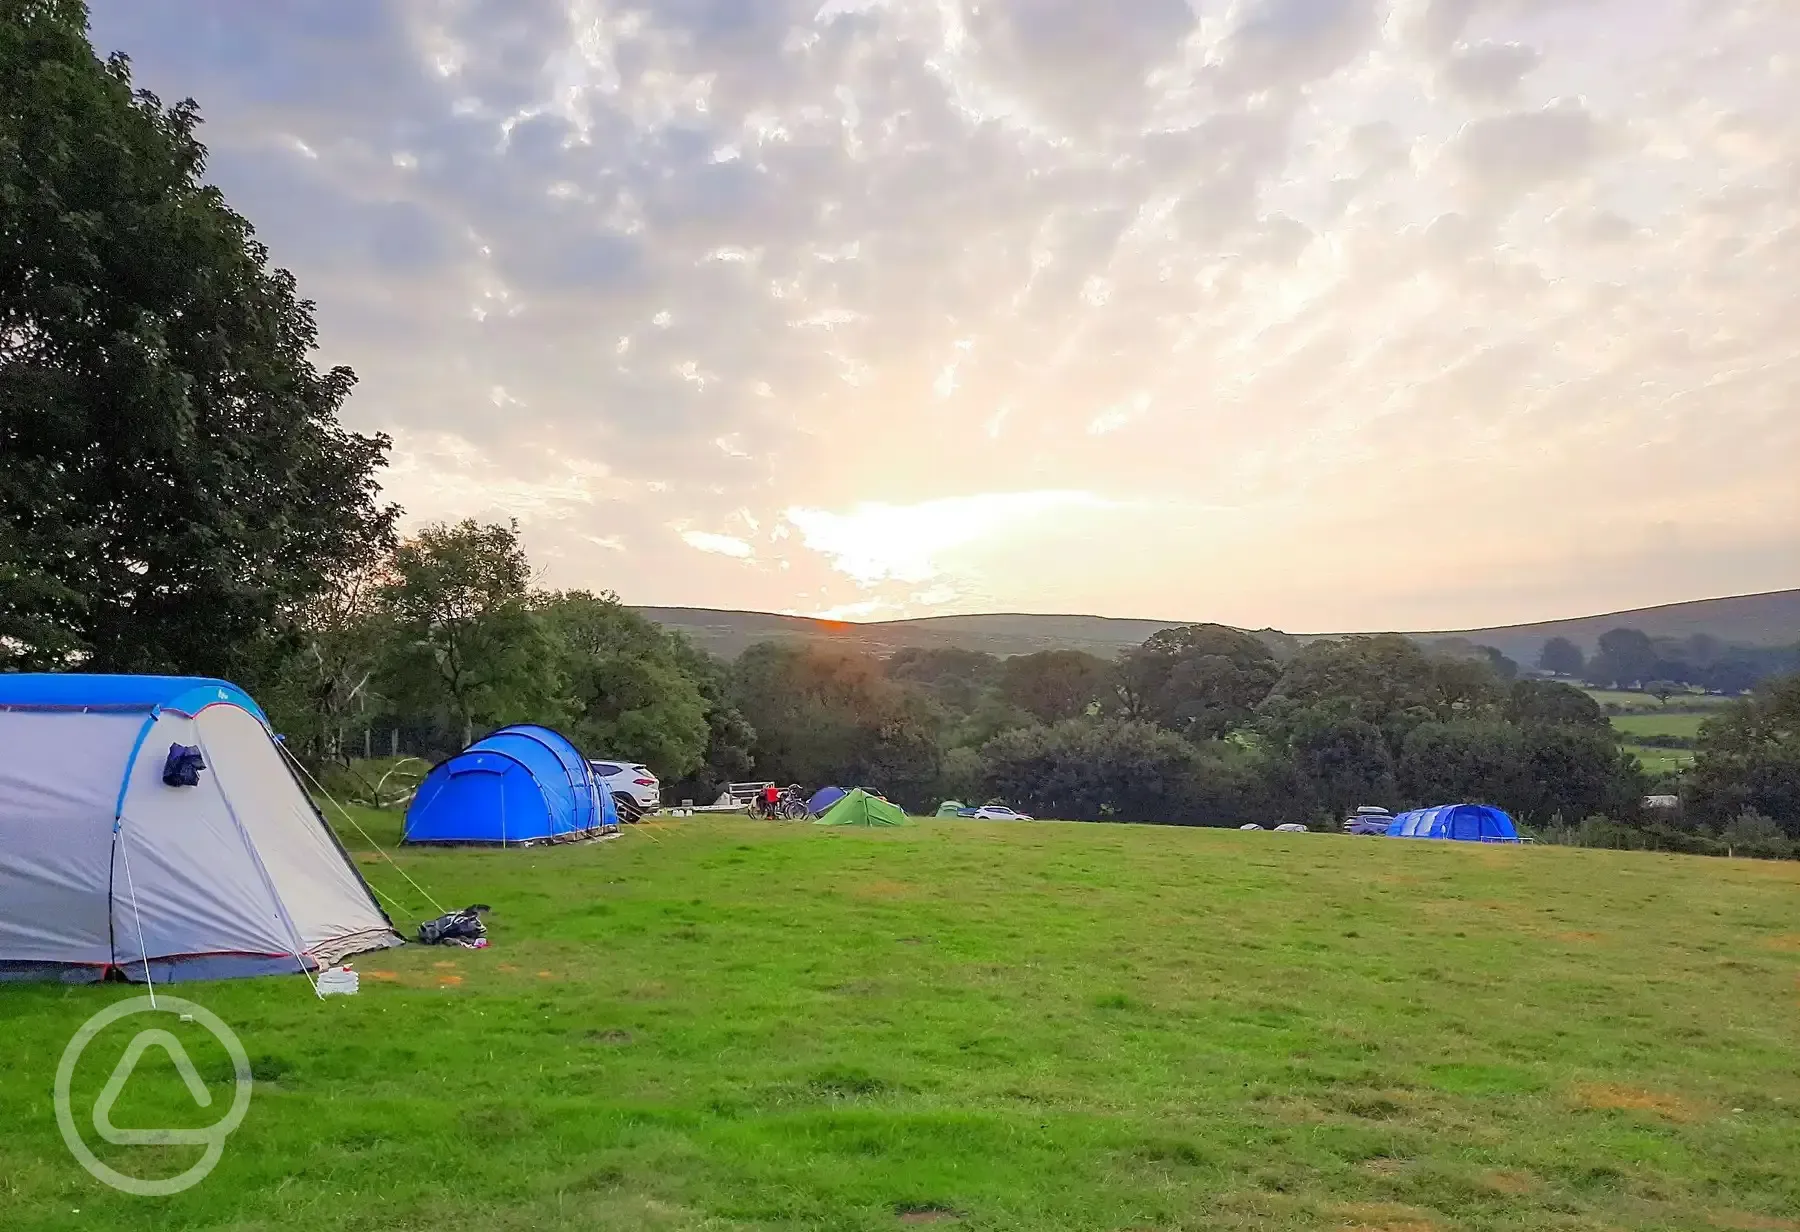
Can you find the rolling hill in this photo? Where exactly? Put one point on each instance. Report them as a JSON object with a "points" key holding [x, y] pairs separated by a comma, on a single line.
{"points": [[1758, 620]]}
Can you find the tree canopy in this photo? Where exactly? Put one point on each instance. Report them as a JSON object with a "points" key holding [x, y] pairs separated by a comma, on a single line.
{"points": [[174, 481]]}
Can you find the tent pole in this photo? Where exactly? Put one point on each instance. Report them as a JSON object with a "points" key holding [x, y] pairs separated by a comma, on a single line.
{"points": [[136, 915]]}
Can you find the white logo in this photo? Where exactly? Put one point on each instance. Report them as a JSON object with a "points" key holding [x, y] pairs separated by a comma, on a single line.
{"points": [[213, 1137]]}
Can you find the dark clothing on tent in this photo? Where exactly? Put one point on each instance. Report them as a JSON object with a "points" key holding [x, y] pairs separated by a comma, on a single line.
{"points": [[183, 767]]}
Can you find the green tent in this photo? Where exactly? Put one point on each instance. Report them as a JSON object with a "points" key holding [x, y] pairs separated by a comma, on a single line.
{"points": [[950, 808], [859, 808]]}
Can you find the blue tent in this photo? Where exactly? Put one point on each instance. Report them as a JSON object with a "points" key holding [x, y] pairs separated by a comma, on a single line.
{"points": [[824, 799], [520, 786], [1463, 823]]}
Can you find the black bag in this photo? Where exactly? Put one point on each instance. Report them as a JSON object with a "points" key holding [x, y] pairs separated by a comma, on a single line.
{"points": [[456, 927], [183, 767]]}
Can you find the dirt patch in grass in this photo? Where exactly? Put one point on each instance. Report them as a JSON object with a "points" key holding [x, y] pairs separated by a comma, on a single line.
{"points": [[1577, 937], [1611, 1096], [1384, 1166], [1510, 1181], [1788, 944], [908, 1214], [1383, 1217]]}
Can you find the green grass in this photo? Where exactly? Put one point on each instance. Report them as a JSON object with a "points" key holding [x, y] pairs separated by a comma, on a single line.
{"points": [[1660, 761], [1659, 724], [1635, 702], [724, 1025]]}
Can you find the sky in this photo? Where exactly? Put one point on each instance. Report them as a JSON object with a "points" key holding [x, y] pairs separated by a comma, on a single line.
{"points": [[1314, 314]]}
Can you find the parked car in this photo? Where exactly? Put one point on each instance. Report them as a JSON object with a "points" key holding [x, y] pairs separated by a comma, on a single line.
{"points": [[627, 780], [1250, 826], [996, 812], [1290, 827]]}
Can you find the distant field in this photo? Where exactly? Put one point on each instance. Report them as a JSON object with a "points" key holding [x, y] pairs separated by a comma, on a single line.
{"points": [[726, 1026], [1659, 724], [1660, 761], [1642, 702]]}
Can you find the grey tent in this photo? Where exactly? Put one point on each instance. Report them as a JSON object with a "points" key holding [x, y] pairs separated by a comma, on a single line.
{"points": [[150, 828]]}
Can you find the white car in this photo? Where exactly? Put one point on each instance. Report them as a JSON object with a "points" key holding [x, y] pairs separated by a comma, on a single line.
{"points": [[997, 812], [1292, 827], [627, 778]]}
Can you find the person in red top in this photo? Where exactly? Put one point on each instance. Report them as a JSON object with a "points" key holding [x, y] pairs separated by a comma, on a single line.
{"points": [[770, 795]]}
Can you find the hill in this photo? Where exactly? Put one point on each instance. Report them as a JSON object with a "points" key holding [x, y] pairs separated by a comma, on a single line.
{"points": [[1756, 620], [724, 1025]]}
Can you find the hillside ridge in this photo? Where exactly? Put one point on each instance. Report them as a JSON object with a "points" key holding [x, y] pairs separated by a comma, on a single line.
{"points": [[1769, 618]]}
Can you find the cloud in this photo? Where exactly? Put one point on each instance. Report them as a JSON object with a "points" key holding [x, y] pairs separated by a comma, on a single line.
{"points": [[1489, 72], [1149, 307], [718, 545]]}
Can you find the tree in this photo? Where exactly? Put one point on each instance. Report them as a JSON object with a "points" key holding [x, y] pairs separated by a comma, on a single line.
{"points": [[1116, 771], [958, 679], [1570, 772], [828, 715], [1748, 759], [322, 685], [1551, 702], [1200, 680], [174, 481], [1053, 685], [631, 694], [1561, 657], [1626, 657], [1452, 763], [1504, 668], [466, 640], [1339, 763], [1663, 690], [1386, 681]]}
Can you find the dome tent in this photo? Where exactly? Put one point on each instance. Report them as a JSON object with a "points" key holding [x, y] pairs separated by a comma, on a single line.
{"points": [[823, 799], [950, 808], [1463, 823], [862, 808], [518, 787], [151, 828]]}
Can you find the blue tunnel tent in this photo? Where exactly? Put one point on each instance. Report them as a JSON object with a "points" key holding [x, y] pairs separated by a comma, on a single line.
{"points": [[520, 786], [1462, 823], [823, 799]]}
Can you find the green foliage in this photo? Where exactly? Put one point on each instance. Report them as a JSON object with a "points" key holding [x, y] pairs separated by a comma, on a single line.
{"points": [[465, 638], [1198, 680], [174, 481], [958, 680], [1749, 760], [1561, 657], [1053, 685], [1541, 701], [1625, 657], [630, 690], [1116, 770], [823, 715]]}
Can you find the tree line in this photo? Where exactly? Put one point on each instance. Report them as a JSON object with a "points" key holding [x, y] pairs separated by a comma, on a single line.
{"points": [[1667, 666], [178, 495]]}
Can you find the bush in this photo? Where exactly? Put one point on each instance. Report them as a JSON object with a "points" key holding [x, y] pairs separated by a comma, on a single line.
{"points": [[1118, 771], [1758, 837]]}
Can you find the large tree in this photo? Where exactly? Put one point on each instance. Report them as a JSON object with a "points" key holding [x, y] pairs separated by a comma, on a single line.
{"points": [[1749, 759], [1053, 685], [1561, 657], [467, 643], [1625, 658], [173, 477], [1199, 680]]}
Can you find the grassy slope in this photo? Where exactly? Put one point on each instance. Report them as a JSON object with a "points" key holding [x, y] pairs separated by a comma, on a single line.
{"points": [[725, 1025], [1767, 619]]}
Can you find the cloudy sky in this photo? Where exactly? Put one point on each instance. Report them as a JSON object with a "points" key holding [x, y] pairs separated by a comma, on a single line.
{"points": [[1325, 314]]}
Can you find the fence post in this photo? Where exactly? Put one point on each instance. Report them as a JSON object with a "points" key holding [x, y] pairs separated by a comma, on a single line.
{"points": [[394, 742]]}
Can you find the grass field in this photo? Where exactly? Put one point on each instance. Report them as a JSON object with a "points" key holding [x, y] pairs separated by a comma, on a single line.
{"points": [[1643, 703], [725, 1025], [1659, 724], [1660, 761]]}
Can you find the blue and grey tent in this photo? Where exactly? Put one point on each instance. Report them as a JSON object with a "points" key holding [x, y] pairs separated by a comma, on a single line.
{"points": [[151, 827], [518, 787], [1462, 823], [823, 799]]}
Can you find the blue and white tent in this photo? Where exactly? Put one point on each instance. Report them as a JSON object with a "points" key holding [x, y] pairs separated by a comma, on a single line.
{"points": [[1463, 823], [518, 787], [150, 827], [823, 799]]}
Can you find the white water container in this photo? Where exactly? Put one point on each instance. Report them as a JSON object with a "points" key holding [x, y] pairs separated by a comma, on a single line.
{"points": [[340, 981]]}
